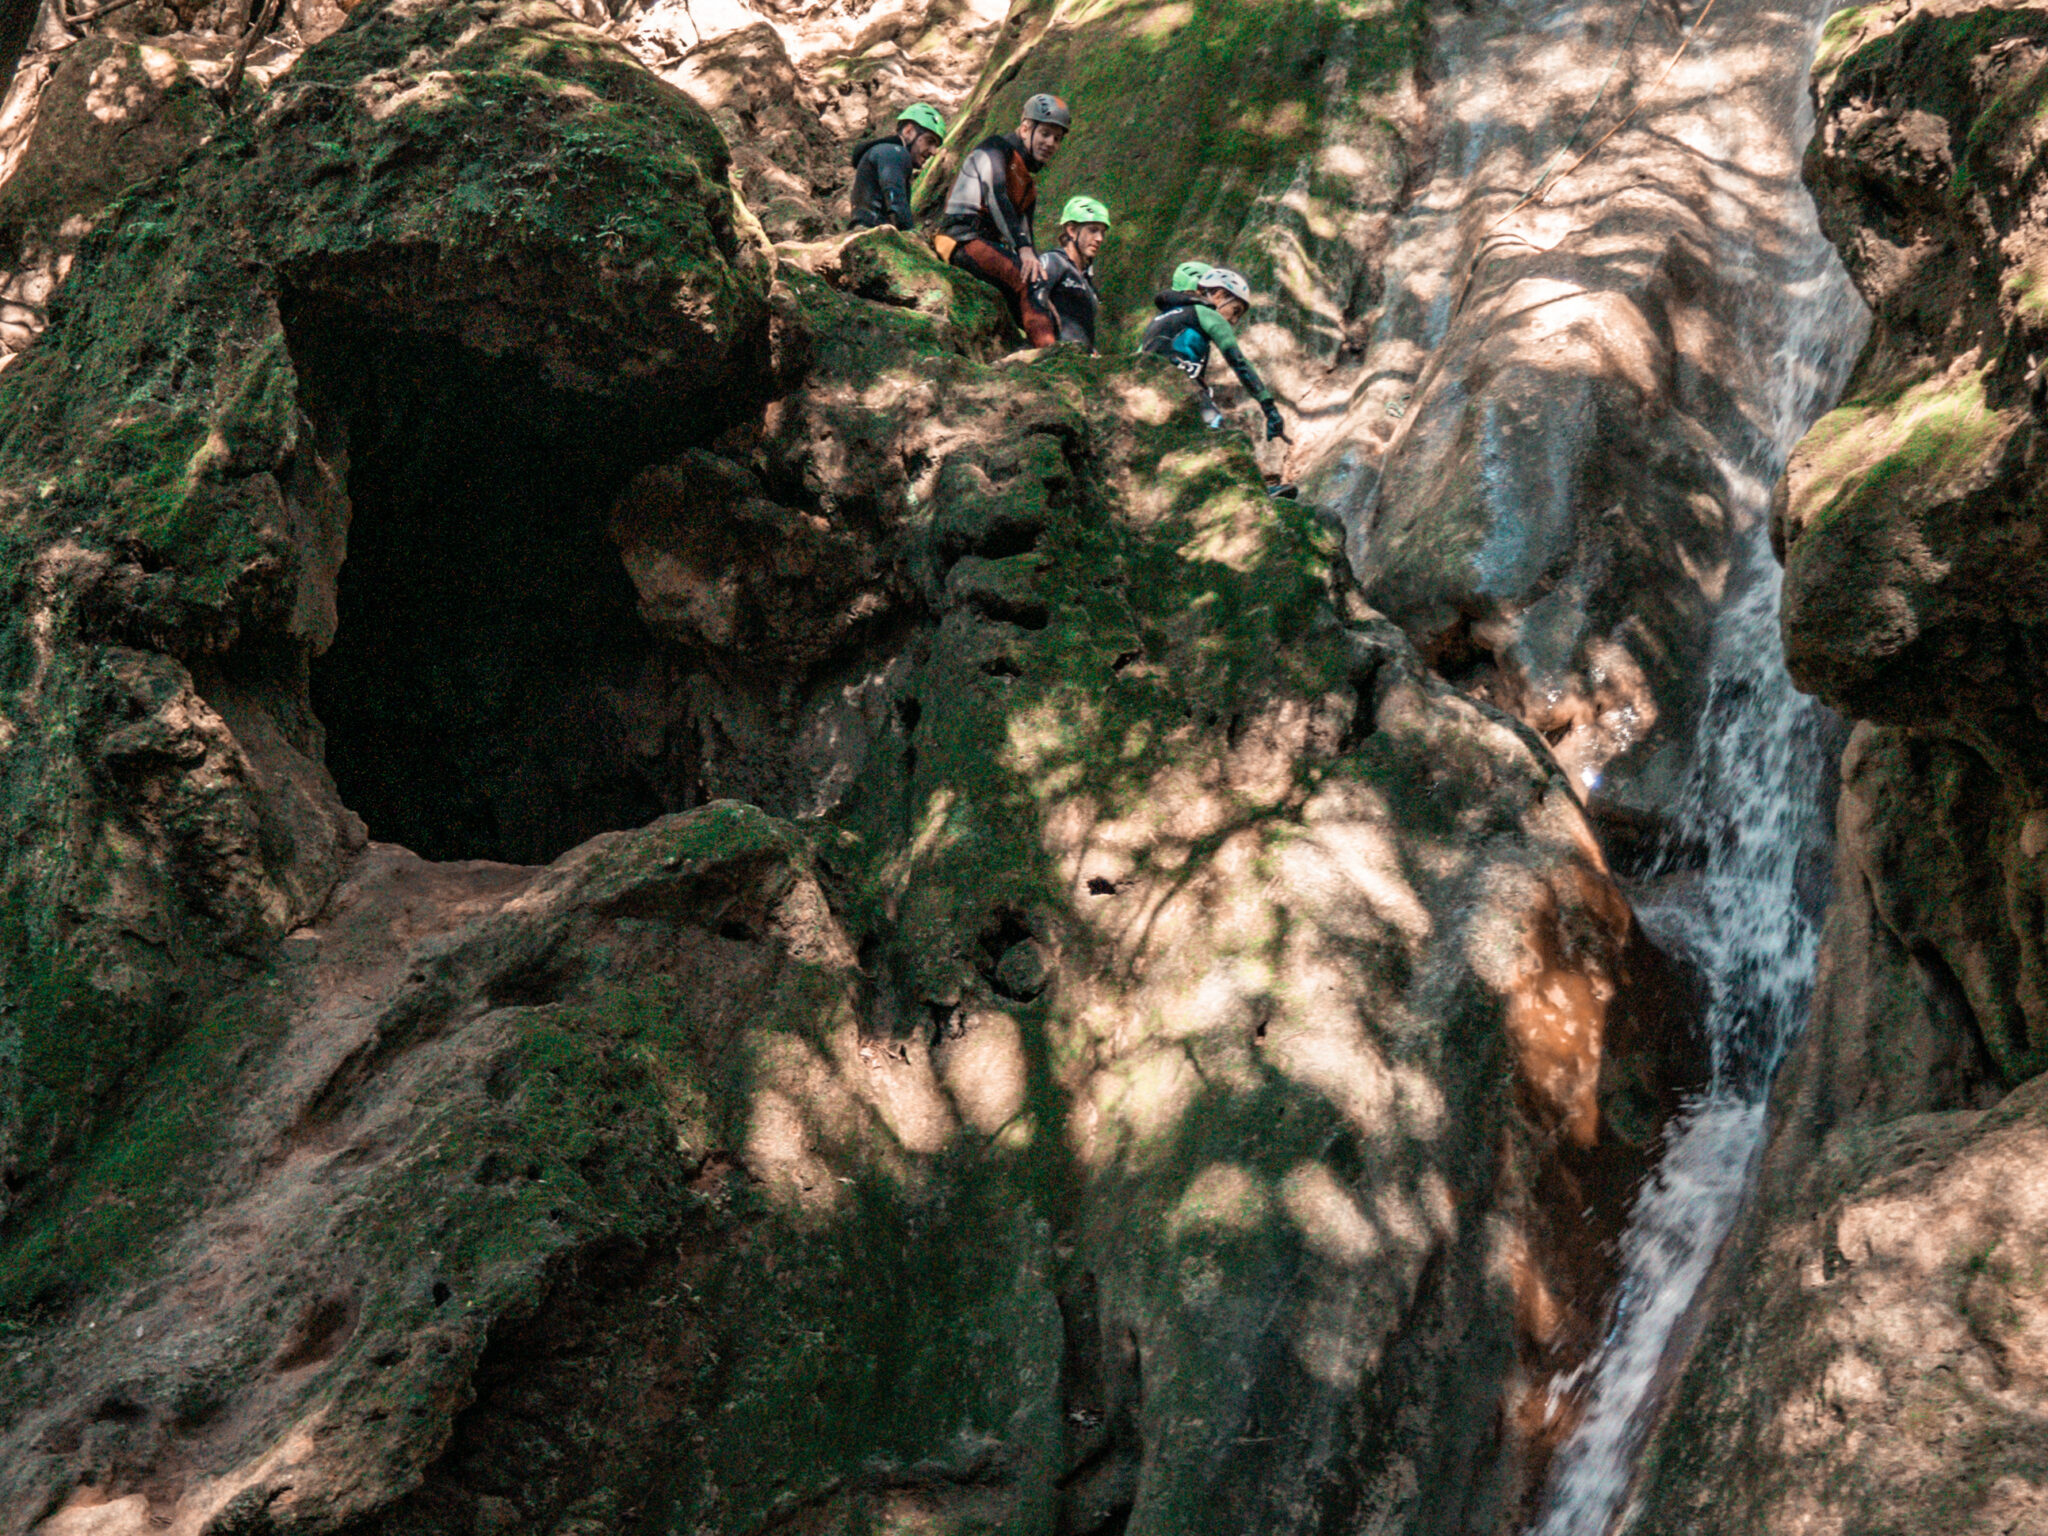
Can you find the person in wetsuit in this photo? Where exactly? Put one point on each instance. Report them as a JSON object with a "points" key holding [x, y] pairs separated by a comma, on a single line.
{"points": [[1188, 325], [1069, 270], [883, 167], [986, 228]]}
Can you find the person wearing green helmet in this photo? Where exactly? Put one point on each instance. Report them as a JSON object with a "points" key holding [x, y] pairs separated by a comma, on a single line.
{"points": [[882, 167], [986, 227], [1189, 324], [1069, 270]]}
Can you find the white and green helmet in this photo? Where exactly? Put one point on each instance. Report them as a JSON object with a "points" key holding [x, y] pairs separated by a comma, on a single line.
{"points": [[1228, 281], [1084, 210]]}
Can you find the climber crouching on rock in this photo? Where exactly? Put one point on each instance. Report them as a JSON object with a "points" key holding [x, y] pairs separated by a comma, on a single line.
{"points": [[1189, 324], [986, 228], [1070, 270], [883, 167]]}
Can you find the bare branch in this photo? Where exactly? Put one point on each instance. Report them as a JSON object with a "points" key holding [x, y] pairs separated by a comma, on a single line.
{"points": [[96, 12], [233, 81]]}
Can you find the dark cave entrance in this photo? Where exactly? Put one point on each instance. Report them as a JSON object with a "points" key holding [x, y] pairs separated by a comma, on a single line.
{"points": [[491, 692]]}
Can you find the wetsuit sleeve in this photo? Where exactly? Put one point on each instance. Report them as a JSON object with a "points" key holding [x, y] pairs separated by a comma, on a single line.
{"points": [[967, 205], [892, 169], [1219, 332]]}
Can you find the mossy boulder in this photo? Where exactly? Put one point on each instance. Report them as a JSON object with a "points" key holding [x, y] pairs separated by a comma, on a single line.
{"points": [[1125, 1093], [490, 179], [112, 113]]}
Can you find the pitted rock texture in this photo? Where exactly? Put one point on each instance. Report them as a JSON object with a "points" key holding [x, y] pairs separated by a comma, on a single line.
{"points": [[1888, 1373], [1873, 1369], [1063, 1024]]}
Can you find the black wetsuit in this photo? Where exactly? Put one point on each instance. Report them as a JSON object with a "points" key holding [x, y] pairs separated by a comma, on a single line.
{"points": [[1074, 299], [881, 184], [1183, 332]]}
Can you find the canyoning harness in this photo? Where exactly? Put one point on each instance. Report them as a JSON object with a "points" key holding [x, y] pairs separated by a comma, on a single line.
{"points": [[1070, 289], [881, 184], [1183, 332], [994, 196]]}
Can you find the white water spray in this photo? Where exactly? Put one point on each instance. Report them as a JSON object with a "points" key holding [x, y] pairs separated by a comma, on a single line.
{"points": [[1754, 804]]}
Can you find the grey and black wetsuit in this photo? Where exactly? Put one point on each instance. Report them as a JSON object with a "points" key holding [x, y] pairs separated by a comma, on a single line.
{"points": [[1184, 330]]}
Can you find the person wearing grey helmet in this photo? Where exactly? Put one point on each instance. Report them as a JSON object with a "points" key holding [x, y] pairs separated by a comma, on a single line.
{"points": [[1189, 324], [986, 228]]}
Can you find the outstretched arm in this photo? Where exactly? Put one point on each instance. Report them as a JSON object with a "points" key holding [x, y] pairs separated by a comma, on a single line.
{"points": [[1224, 339]]}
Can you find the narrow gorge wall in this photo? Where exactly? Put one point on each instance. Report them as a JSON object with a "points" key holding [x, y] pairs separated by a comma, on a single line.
{"points": [[1881, 1370]]}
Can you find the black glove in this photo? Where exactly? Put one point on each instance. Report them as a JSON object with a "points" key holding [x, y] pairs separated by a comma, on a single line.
{"points": [[1275, 426]]}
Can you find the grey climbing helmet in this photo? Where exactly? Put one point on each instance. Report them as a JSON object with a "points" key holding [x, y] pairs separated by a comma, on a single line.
{"points": [[1048, 108], [1228, 281]]}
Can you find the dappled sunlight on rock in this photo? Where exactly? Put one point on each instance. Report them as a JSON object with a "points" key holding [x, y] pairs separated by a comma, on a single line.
{"points": [[1571, 382], [1328, 1216], [1344, 861], [1226, 1195], [984, 1071], [1340, 1065], [1033, 1058]]}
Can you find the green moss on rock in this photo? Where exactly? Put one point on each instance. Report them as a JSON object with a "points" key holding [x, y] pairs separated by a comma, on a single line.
{"points": [[1910, 445]]}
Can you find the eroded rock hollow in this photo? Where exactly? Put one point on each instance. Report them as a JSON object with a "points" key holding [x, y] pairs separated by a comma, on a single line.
{"points": [[650, 887]]}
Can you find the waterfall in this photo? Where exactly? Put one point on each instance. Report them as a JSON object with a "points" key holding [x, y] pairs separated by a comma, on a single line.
{"points": [[1755, 805]]}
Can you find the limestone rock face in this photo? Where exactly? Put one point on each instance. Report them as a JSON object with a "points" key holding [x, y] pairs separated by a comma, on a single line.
{"points": [[174, 468], [946, 973], [794, 172], [1876, 1375], [110, 114], [1566, 415]]}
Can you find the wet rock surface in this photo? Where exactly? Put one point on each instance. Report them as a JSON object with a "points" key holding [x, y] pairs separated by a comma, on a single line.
{"points": [[962, 979], [1875, 1374], [1572, 381]]}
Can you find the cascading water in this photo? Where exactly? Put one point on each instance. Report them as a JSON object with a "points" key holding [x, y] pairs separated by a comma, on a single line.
{"points": [[1755, 805]]}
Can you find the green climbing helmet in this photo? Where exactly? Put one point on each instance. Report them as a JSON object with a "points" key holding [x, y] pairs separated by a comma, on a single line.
{"points": [[1048, 108], [1186, 274], [1084, 210], [924, 116]]}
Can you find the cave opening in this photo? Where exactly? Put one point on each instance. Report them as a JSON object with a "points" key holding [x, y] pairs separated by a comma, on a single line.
{"points": [[491, 691]]}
